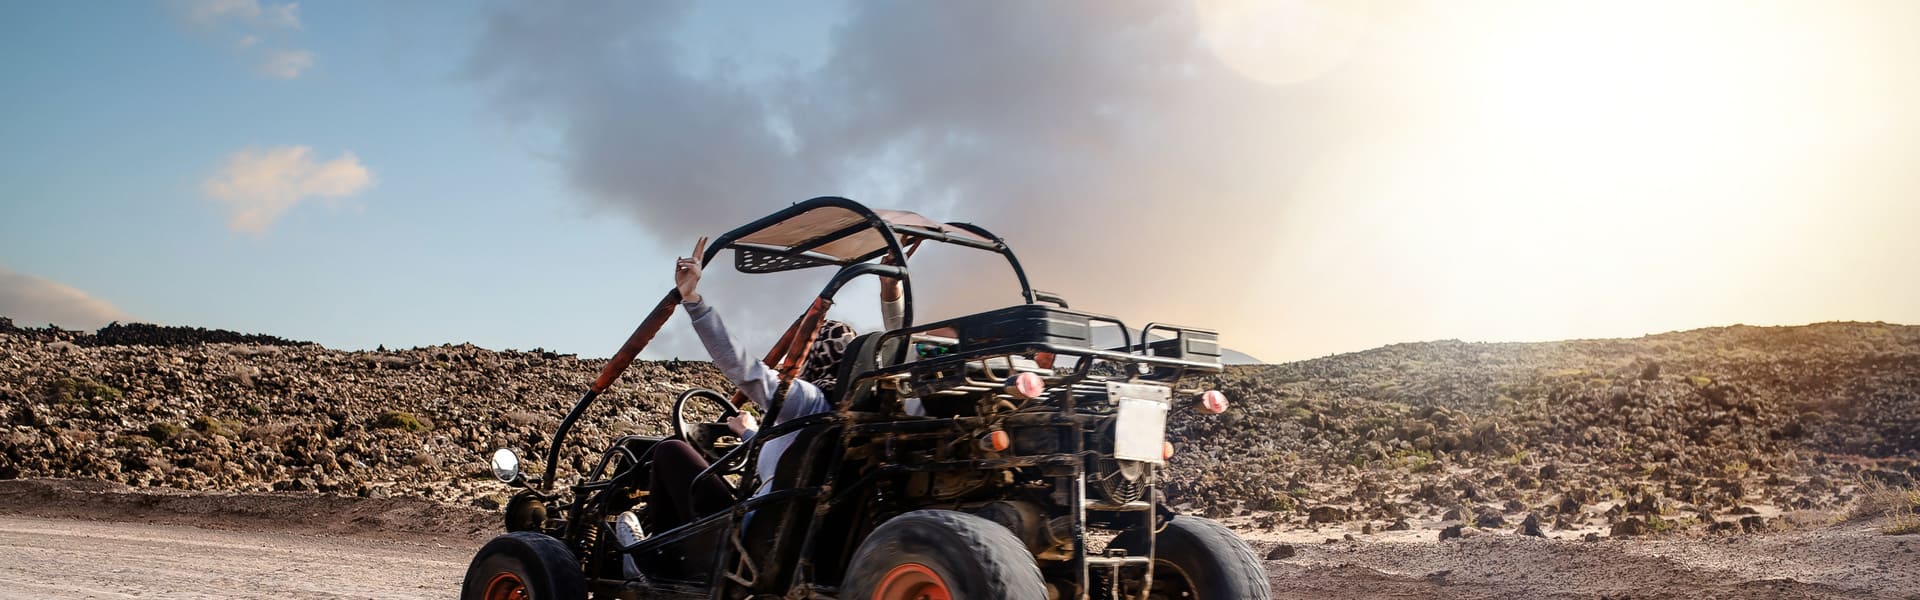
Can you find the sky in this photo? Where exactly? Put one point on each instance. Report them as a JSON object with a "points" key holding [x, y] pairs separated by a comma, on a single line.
{"points": [[1306, 176]]}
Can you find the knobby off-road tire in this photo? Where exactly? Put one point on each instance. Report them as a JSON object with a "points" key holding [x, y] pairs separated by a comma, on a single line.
{"points": [[932, 551], [524, 565], [1203, 558]]}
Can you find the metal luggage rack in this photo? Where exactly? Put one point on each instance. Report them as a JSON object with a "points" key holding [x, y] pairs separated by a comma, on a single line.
{"points": [[988, 369]]}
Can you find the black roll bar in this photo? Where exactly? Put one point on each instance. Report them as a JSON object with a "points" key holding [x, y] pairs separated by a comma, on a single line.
{"points": [[849, 268]]}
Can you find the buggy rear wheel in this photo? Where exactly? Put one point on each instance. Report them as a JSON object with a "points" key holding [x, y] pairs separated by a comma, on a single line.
{"points": [[1200, 559], [942, 555], [524, 565]]}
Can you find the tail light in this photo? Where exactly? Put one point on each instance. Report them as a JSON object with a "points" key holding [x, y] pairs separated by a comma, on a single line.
{"points": [[1166, 450], [1026, 386], [1211, 403]]}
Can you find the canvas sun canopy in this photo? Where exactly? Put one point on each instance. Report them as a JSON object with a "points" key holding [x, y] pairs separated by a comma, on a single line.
{"points": [[829, 235]]}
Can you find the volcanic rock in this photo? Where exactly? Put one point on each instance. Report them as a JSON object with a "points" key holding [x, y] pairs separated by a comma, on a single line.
{"points": [[1630, 527], [1281, 552]]}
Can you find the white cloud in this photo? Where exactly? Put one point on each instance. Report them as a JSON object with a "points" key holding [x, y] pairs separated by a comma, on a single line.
{"points": [[216, 12], [249, 22], [285, 64], [208, 12], [284, 15], [258, 186], [30, 300]]}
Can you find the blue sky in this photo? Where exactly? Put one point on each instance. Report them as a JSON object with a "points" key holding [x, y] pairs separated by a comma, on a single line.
{"points": [[1308, 177], [118, 115]]}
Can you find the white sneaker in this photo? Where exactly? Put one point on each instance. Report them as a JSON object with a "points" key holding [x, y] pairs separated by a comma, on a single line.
{"points": [[627, 531]]}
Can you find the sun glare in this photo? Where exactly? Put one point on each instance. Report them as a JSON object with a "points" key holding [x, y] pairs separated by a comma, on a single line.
{"points": [[1551, 170], [1282, 42]]}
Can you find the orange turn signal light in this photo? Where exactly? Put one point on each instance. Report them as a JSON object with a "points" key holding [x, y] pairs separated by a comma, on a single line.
{"points": [[996, 441], [1166, 450], [1212, 402], [1045, 359]]}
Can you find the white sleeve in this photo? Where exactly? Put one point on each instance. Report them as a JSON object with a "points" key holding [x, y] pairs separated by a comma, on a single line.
{"points": [[893, 313], [746, 372]]}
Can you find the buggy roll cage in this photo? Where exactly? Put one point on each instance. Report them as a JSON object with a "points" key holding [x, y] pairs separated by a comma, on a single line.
{"points": [[828, 230], [836, 231]]}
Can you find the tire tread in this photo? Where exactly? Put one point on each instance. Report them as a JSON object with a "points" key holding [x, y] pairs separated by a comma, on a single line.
{"points": [[1242, 576], [1012, 572]]}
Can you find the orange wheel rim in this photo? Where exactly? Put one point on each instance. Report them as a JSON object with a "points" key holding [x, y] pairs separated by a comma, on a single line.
{"points": [[912, 581], [506, 586]]}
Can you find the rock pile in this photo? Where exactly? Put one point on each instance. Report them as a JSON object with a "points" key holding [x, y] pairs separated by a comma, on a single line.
{"points": [[145, 334]]}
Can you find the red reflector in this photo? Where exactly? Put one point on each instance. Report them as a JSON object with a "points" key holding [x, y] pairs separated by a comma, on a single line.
{"points": [[1027, 386], [1044, 359], [1166, 450], [996, 441], [1213, 402]]}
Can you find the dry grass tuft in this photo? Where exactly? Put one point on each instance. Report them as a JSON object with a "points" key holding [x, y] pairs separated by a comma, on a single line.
{"points": [[1900, 505]]}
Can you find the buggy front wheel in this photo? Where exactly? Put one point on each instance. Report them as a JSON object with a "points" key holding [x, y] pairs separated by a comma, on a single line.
{"points": [[524, 565], [943, 555], [1200, 559]]}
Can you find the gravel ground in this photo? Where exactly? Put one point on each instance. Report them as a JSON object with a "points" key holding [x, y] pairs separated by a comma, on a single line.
{"points": [[60, 559], [62, 540], [1847, 561]]}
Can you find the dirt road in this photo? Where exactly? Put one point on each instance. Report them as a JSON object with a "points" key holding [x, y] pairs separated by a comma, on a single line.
{"points": [[60, 559], [61, 541], [1851, 561]]}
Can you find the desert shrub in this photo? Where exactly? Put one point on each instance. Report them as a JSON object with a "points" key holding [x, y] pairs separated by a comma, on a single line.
{"points": [[1900, 505], [135, 441], [1658, 524], [211, 426], [161, 432], [1416, 461], [404, 421], [266, 431], [1735, 469], [81, 390]]}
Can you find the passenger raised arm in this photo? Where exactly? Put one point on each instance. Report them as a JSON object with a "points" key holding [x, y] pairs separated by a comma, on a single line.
{"points": [[746, 372], [893, 300]]}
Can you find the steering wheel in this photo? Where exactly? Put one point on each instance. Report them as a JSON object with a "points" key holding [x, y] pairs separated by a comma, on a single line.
{"points": [[704, 435]]}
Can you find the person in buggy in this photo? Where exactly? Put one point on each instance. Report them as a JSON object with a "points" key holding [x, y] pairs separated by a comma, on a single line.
{"points": [[676, 496]]}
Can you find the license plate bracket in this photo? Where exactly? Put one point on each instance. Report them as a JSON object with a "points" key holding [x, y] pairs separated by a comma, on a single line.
{"points": [[1140, 424]]}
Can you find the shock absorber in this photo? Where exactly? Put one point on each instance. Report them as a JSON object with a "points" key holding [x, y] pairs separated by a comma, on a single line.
{"points": [[589, 539]]}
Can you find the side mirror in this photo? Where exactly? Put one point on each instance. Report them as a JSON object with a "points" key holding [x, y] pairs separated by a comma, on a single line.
{"points": [[506, 465]]}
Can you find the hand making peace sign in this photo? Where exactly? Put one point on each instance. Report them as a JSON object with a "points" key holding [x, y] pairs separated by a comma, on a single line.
{"points": [[686, 272]]}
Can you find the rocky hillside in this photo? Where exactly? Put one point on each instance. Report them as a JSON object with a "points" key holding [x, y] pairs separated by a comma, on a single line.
{"points": [[1698, 428], [184, 408], [1690, 430]]}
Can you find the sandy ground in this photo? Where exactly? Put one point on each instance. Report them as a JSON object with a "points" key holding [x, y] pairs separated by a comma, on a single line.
{"points": [[1843, 561], [62, 541], [60, 559]]}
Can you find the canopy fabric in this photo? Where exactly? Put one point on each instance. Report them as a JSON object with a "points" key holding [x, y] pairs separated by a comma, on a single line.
{"points": [[813, 224]]}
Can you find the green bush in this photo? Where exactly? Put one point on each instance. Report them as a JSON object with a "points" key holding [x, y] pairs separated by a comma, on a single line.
{"points": [[211, 426], [81, 390], [162, 432], [134, 441], [405, 421]]}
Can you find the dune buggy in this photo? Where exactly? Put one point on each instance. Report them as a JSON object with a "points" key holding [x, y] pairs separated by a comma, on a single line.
{"points": [[1029, 470]]}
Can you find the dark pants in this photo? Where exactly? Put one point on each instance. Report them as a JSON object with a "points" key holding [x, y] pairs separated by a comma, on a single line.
{"points": [[673, 496]]}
